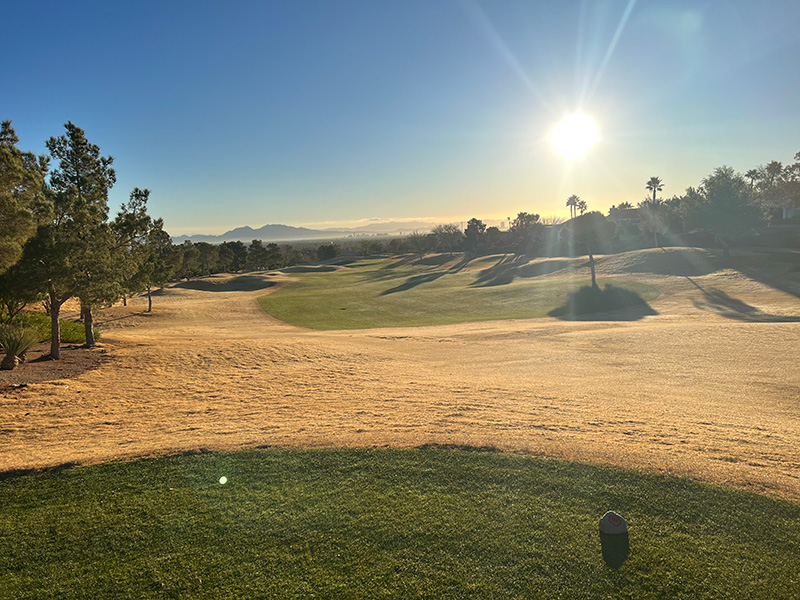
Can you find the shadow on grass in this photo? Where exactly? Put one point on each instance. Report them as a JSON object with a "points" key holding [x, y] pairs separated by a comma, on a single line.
{"points": [[413, 282], [615, 548], [784, 274], [608, 304], [309, 269], [243, 283], [402, 261], [509, 268], [725, 305], [416, 280], [434, 260], [13, 473], [680, 262]]}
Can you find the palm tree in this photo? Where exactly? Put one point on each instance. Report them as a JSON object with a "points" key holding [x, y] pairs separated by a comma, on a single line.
{"points": [[581, 206], [772, 172], [572, 202], [752, 175], [655, 185]]}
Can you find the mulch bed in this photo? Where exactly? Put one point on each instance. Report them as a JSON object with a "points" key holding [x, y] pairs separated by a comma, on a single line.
{"points": [[38, 367]]}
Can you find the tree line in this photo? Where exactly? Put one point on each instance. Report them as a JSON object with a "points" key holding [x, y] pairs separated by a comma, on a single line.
{"points": [[58, 240], [727, 205]]}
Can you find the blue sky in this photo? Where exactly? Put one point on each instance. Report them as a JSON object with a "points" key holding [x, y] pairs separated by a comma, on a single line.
{"points": [[332, 112]]}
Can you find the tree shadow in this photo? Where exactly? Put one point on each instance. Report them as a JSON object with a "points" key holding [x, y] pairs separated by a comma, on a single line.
{"points": [[434, 260], [242, 283], [500, 273], [609, 304], [401, 262], [309, 269], [413, 282], [717, 301], [99, 322], [787, 281], [14, 473], [506, 270], [680, 262], [416, 280]]}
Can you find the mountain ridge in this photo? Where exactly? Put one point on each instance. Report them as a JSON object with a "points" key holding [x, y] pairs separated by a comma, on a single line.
{"points": [[277, 232]]}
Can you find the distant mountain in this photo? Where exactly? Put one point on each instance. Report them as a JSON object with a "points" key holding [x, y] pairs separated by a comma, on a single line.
{"points": [[286, 233], [267, 233]]}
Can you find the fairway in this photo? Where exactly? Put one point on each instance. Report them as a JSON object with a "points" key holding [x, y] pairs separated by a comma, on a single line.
{"points": [[427, 523], [401, 293], [705, 386]]}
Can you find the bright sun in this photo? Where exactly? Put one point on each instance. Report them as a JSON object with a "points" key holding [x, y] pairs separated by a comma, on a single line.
{"points": [[574, 135]]}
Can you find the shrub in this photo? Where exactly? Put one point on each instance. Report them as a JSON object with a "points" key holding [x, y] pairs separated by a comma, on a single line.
{"points": [[16, 341], [71, 331]]}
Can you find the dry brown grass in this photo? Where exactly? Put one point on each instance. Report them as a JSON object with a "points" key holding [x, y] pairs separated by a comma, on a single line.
{"points": [[692, 391]]}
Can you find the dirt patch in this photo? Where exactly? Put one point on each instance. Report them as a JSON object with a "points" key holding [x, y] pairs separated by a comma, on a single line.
{"points": [[37, 368]]}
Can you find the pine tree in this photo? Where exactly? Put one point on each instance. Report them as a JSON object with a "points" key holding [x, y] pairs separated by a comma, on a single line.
{"points": [[22, 195], [70, 253]]}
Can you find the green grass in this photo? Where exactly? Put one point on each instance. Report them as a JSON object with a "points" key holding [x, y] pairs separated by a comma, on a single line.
{"points": [[427, 523], [372, 293], [72, 332]]}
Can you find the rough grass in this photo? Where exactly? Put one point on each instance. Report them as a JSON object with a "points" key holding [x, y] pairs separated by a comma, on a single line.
{"points": [[426, 523], [385, 293]]}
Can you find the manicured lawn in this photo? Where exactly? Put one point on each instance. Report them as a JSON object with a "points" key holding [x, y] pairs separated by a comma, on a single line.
{"points": [[426, 523], [375, 293]]}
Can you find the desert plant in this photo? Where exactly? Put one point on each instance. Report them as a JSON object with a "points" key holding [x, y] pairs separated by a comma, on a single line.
{"points": [[16, 342]]}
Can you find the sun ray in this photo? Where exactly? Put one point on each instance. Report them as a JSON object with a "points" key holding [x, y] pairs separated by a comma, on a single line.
{"points": [[611, 47]]}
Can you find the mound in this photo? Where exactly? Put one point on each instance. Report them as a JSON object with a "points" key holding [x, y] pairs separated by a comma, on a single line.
{"points": [[678, 262], [309, 269], [508, 268], [237, 283]]}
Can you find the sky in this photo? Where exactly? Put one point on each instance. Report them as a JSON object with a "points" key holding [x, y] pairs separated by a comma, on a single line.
{"points": [[337, 112]]}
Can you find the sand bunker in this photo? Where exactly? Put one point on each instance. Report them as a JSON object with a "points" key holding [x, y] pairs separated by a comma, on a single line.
{"points": [[688, 391]]}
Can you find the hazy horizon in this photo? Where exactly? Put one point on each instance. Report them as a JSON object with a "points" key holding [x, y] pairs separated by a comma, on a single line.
{"points": [[317, 112], [349, 224]]}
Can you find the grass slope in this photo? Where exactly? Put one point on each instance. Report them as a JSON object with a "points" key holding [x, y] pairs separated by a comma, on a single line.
{"points": [[426, 523], [378, 293]]}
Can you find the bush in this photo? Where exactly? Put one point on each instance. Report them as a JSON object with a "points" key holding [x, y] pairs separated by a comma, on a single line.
{"points": [[16, 341], [71, 331]]}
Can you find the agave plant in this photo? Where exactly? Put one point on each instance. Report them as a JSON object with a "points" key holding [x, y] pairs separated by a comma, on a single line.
{"points": [[16, 342]]}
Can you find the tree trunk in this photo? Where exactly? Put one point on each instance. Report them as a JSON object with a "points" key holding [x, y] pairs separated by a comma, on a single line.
{"points": [[124, 299], [55, 328], [591, 268], [149, 298], [88, 322], [9, 362], [655, 238]]}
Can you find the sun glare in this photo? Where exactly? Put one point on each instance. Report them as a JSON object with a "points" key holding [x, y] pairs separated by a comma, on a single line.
{"points": [[574, 136]]}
